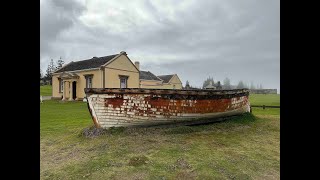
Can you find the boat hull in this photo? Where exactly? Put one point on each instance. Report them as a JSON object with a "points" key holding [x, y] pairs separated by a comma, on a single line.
{"points": [[146, 107]]}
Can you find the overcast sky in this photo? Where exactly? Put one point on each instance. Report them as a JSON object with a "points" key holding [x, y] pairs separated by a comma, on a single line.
{"points": [[193, 38]]}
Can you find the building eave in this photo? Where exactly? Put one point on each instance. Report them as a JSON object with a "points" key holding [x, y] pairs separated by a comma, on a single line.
{"points": [[80, 70]]}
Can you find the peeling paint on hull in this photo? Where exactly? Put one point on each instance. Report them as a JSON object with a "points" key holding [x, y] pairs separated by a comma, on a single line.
{"points": [[144, 107]]}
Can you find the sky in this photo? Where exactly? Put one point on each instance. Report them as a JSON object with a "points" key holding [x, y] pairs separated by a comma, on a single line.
{"points": [[194, 39]]}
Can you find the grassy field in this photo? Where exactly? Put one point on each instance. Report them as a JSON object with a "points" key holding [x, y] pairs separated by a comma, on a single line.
{"points": [[46, 90], [244, 147], [265, 99]]}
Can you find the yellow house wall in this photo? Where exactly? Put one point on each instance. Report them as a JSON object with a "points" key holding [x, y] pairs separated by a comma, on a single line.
{"points": [[81, 83], [155, 84], [150, 84], [121, 66], [55, 86], [175, 81]]}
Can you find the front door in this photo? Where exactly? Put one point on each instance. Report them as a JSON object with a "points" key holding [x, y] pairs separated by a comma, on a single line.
{"points": [[74, 90]]}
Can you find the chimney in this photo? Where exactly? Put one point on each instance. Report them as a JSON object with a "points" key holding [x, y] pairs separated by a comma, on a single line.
{"points": [[137, 64]]}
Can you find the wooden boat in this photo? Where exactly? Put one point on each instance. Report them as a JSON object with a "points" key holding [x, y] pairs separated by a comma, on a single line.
{"points": [[114, 107]]}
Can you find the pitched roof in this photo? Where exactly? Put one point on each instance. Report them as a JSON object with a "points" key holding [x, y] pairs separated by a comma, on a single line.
{"points": [[147, 75], [166, 78], [94, 62]]}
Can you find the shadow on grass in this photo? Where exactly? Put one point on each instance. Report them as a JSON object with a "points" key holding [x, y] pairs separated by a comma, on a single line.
{"points": [[244, 119]]}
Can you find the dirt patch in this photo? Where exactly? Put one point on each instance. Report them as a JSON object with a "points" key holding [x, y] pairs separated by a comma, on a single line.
{"points": [[180, 164], [111, 163], [138, 161], [185, 175], [134, 176], [92, 132]]}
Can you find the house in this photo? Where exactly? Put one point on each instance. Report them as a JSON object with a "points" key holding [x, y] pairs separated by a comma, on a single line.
{"points": [[113, 71], [151, 81], [171, 81], [213, 85]]}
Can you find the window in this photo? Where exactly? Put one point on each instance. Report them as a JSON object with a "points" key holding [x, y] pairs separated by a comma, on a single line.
{"points": [[174, 86], [88, 81], [60, 85], [123, 81]]}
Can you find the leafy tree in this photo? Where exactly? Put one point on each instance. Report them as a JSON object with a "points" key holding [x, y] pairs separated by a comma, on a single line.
{"points": [[51, 68], [226, 83], [187, 84], [219, 85], [40, 74], [240, 85], [60, 63]]}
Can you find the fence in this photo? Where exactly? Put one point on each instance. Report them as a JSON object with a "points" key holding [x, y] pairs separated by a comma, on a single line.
{"points": [[264, 106]]}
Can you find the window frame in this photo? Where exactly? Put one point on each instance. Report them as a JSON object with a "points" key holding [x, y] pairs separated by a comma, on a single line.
{"points": [[89, 78], [61, 85], [125, 78]]}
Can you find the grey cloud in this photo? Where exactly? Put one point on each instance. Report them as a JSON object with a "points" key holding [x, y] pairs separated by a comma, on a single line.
{"points": [[55, 17], [238, 39]]}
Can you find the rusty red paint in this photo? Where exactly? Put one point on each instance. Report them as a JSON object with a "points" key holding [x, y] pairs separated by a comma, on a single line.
{"points": [[120, 107], [116, 102], [173, 107]]}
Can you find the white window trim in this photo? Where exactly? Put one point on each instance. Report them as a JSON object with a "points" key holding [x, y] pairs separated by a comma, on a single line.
{"points": [[125, 78]]}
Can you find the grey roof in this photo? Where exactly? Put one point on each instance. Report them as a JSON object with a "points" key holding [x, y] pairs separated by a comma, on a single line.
{"points": [[166, 78], [94, 62], [147, 75]]}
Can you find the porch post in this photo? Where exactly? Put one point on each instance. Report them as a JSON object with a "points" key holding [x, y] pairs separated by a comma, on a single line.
{"points": [[70, 91], [64, 90]]}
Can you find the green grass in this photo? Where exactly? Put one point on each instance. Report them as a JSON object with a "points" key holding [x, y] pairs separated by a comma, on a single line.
{"points": [[265, 99], [244, 147], [46, 90]]}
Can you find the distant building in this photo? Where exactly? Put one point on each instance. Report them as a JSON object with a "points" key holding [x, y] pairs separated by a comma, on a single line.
{"points": [[210, 86], [151, 81]]}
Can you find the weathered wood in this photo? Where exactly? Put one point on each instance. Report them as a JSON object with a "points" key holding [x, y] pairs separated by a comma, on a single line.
{"points": [[132, 107], [202, 92]]}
